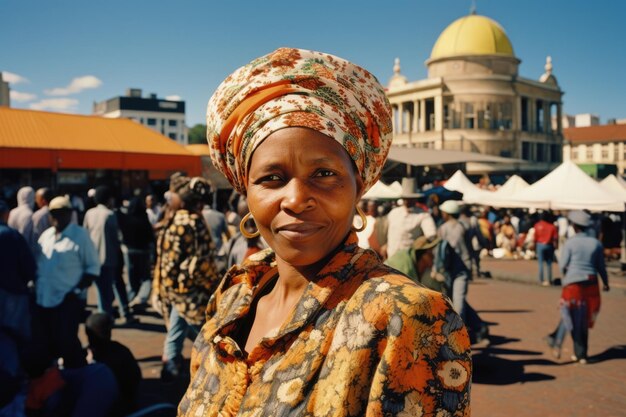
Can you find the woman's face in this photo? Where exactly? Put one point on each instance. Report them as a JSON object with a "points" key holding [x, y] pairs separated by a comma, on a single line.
{"points": [[302, 191]]}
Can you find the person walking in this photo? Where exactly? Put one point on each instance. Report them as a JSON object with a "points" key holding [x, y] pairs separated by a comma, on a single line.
{"points": [[185, 273], [21, 217], [67, 265], [101, 223], [41, 219], [547, 240], [219, 230], [138, 238], [582, 260], [453, 259]]}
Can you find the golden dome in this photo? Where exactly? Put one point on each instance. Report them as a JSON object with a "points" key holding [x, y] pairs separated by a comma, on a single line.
{"points": [[472, 35]]}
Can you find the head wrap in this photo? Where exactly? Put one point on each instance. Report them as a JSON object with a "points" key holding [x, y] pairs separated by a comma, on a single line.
{"points": [[191, 190], [298, 88]]}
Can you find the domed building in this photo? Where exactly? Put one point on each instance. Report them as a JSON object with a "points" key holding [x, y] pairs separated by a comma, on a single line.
{"points": [[474, 101]]}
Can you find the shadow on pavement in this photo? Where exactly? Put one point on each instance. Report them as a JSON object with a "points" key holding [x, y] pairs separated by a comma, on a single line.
{"points": [[614, 352], [154, 391], [504, 311], [491, 369]]}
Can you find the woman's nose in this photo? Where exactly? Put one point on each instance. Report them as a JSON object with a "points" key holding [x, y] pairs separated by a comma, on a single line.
{"points": [[297, 197]]}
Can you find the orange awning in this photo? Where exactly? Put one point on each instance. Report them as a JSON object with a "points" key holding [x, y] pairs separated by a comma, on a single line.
{"points": [[34, 139]]}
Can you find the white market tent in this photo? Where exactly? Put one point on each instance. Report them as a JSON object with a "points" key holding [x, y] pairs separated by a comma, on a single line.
{"points": [[459, 182], [566, 188], [380, 191], [498, 198], [615, 186]]}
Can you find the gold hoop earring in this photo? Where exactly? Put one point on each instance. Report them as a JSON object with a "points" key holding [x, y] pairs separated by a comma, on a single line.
{"points": [[242, 227], [363, 220]]}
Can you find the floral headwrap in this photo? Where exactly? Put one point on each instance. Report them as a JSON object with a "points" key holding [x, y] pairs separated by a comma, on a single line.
{"points": [[191, 190], [298, 88]]}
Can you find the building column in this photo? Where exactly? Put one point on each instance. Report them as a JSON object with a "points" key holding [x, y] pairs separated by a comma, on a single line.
{"points": [[438, 113], [422, 126], [416, 114]]}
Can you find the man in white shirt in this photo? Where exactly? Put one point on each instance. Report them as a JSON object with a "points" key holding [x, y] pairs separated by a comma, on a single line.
{"points": [[408, 221], [67, 264]]}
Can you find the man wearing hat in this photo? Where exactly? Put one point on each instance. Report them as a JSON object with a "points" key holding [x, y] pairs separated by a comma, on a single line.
{"points": [[408, 221], [67, 264], [582, 260], [458, 267], [417, 261]]}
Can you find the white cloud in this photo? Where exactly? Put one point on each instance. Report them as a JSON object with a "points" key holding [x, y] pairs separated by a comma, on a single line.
{"points": [[21, 97], [174, 98], [64, 105], [14, 78], [76, 86]]}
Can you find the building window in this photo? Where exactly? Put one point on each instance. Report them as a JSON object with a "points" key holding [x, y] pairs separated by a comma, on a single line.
{"points": [[605, 152], [469, 116], [556, 153], [172, 136], [589, 154], [151, 121], [430, 113], [539, 115], [526, 151], [541, 152], [575, 153], [525, 114], [504, 117], [172, 123]]}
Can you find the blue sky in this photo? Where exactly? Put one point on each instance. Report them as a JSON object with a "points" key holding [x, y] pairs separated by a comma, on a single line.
{"points": [[64, 55]]}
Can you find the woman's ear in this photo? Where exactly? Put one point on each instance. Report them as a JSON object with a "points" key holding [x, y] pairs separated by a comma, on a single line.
{"points": [[360, 187]]}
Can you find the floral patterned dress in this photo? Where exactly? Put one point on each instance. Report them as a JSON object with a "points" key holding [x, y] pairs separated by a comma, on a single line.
{"points": [[362, 340], [185, 275]]}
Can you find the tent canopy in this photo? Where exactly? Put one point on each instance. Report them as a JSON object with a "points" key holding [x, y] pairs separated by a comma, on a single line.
{"points": [[613, 185], [425, 156], [498, 198], [380, 191], [459, 182], [568, 188]]}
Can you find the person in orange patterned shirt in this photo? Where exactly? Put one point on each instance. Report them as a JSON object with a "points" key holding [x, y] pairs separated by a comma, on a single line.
{"points": [[316, 325]]}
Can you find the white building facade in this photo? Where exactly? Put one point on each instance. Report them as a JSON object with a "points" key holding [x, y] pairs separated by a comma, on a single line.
{"points": [[166, 117]]}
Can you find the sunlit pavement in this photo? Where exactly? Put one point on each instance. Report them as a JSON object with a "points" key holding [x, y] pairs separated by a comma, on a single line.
{"points": [[518, 376]]}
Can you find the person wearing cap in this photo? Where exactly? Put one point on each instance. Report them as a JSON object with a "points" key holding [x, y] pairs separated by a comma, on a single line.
{"points": [[316, 325], [185, 273], [408, 221], [66, 266], [582, 260], [416, 263]]}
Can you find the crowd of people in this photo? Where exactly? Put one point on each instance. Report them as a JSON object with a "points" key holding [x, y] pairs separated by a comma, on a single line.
{"points": [[137, 254]]}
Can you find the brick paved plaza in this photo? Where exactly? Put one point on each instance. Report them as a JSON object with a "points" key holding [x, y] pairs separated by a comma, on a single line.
{"points": [[515, 376]]}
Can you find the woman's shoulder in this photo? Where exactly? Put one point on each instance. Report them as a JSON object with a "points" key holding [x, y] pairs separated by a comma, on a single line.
{"points": [[395, 293]]}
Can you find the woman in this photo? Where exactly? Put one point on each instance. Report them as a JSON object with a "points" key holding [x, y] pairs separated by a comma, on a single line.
{"points": [[582, 260], [316, 326], [184, 274]]}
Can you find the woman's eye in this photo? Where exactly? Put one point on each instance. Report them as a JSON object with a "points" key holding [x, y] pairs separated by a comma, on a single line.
{"points": [[324, 173], [270, 178]]}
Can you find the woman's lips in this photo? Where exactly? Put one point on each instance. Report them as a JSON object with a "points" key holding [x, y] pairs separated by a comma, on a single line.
{"points": [[298, 231]]}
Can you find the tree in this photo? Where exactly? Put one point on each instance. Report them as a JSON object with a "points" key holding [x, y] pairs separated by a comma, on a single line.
{"points": [[197, 134]]}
